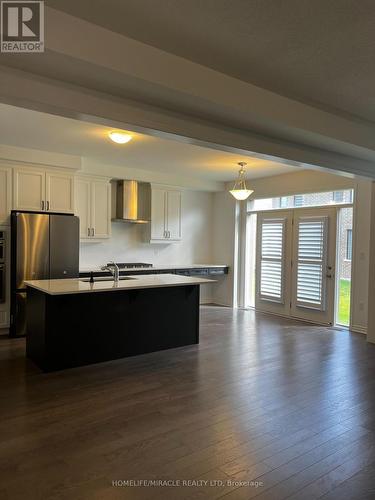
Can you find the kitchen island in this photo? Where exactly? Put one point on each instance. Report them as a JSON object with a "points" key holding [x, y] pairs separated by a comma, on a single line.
{"points": [[72, 322]]}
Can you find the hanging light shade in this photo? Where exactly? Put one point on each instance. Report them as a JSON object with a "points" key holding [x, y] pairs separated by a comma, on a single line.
{"points": [[240, 191]]}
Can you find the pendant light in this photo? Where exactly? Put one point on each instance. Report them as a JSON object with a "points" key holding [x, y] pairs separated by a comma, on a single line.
{"points": [[240, 191]]}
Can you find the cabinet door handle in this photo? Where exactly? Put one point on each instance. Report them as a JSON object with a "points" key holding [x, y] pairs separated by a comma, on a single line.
{"points": [[165, 234], [169, 234], [88, 231], [92, 232], [47, 205], [42, 205]]}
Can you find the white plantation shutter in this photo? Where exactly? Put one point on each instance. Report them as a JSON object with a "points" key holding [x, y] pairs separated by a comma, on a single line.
{"points": [[272, 260], [311, 262], [295, 259]]}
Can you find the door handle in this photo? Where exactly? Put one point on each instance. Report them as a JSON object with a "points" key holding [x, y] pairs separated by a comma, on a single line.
{"points": [[88, 231], [328, 275], [42, 205], [92, 231], [47, 205]]}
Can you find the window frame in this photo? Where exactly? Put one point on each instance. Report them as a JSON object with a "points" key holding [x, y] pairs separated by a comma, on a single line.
{"points": [[349, 248], [250, 209]]}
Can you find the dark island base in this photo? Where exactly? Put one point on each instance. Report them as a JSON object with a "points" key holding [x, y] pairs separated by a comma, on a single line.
{"points": [[65, 331]]}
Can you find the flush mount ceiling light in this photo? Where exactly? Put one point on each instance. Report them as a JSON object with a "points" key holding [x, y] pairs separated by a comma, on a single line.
{"points": [[240, 191], [119, 137]]}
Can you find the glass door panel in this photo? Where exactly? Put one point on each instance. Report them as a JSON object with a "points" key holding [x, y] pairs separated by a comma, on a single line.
{"points": [[344, 265], [273, 261], [314, 246]]}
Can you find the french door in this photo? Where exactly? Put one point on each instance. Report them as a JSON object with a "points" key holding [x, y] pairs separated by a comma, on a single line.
{"points": [[273, 257], [295, 265]]}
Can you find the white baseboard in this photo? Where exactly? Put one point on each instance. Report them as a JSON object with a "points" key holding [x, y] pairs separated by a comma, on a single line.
{"points": [[216, 303], [207, 300], [358, 329], [212, 302]]}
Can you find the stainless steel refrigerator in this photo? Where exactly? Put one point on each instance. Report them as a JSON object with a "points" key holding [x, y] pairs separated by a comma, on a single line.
{"points": [[43, 246]]}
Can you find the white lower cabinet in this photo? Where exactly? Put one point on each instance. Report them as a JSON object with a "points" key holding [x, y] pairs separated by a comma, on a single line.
{"points": [[165, 215], [43, 190], [93, 207]]}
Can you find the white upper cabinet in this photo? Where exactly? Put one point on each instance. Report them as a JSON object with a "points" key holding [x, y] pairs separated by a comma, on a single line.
{"points": [[29, 189], [101, 209], [158, 215], [43, 190], [174, 215], [59, 192], [165, 215], [5, 194], [93, 207], [83, 206]]}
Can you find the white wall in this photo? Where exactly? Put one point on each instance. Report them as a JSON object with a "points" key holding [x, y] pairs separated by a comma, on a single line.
{"points": [[37, 156], [225, 246], [371, 287], [361, 256], [90, 166], [129, 242], [305, 181]]}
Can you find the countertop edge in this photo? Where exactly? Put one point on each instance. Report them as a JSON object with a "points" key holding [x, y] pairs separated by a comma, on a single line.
{"points": [[130, 286], [156, 268]]}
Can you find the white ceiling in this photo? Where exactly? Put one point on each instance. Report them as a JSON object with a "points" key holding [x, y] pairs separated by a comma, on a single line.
{"points": [[316, 51], [30, 129]]}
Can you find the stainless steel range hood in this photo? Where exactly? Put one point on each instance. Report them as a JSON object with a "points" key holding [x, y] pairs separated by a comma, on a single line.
{"points": [[133, 202]]}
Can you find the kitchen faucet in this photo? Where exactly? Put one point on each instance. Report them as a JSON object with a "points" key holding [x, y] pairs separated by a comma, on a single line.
{"points": [[113, 268]]}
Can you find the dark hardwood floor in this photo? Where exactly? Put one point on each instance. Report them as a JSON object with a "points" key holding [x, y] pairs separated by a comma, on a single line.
{"points": [[287, 406]]}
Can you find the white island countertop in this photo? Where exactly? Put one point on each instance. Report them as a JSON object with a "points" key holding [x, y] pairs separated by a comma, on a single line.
{"points": [[81, 285], [156, 267]]}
